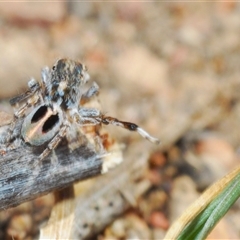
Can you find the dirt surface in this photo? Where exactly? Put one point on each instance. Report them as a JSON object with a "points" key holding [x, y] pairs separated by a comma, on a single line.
{"points": [[172, 68]]}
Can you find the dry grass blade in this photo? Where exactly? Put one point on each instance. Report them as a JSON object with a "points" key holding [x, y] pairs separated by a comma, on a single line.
{"points": [[201, 203], [62, 216]]}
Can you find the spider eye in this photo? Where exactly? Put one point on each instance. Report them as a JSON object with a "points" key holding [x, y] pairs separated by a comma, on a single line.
{"points": [[50, 123], [54, 67], [40, 113]]}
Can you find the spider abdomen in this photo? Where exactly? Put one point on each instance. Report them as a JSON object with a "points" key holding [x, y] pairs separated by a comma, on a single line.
{"points": [[41, 125]]}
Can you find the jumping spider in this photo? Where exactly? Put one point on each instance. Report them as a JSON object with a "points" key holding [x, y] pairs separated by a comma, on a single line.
{"points": [[56, 105]]}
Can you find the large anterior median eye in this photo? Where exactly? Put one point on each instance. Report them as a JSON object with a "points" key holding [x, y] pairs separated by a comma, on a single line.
{"points": [[50, 123]]}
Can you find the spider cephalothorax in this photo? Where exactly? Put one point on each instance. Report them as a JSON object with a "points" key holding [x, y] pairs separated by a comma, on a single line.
{"points": [[50, 107], [66, 77]]}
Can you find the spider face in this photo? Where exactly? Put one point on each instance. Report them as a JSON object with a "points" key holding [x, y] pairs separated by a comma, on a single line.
{"points": [[66, 77]]}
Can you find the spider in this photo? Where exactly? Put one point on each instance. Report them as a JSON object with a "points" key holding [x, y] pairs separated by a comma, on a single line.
{"points": [[56, 102]]}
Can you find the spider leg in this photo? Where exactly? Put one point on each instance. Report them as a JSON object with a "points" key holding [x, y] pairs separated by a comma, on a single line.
{"points": [[129, 126], [93, 116], [32, 96], [45, 80], [20, 113], [91, 92], [54, 142], [87, 116], [33, 88]]}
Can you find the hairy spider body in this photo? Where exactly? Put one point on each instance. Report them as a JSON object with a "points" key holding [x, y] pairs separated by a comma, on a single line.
{"points": [[58, 102]]}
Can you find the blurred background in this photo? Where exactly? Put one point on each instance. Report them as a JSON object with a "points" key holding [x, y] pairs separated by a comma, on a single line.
{"points": [[172, 68]]}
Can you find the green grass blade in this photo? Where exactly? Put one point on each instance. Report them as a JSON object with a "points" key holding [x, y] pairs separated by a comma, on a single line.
{"points": [[204, 222]]}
